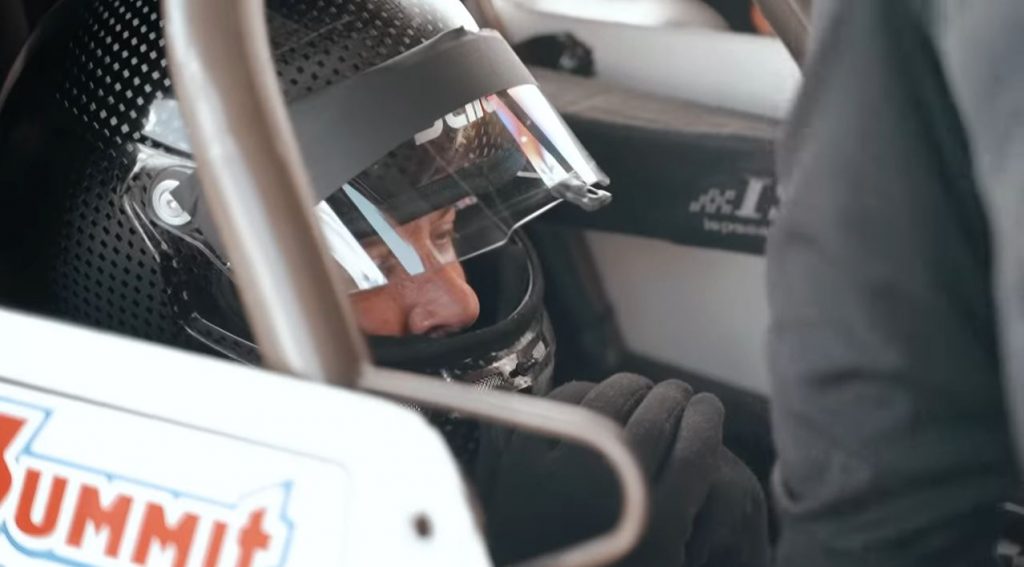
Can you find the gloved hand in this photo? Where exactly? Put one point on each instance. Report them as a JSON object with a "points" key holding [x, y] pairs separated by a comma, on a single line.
{"points": [[707, 509]]}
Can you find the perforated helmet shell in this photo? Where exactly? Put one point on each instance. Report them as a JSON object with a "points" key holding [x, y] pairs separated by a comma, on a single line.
{"points": [[74, 152]]}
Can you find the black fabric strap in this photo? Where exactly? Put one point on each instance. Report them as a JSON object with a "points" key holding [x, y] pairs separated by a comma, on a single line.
{"points": [[344, 128]]}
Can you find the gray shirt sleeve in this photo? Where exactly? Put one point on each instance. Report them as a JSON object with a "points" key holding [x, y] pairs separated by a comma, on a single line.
{"points": [[888, 408], [981, 51]]}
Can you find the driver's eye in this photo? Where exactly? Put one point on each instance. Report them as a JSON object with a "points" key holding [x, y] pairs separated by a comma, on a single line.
{"points": [[389, 266], [443, 236], [384, 259]]}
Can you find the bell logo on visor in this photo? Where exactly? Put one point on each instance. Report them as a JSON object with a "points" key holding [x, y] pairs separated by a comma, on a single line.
{"points": [[459, 119]]}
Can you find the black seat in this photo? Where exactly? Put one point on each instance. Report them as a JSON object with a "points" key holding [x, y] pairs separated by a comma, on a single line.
{"points": [[686, 173], [13, 30]]}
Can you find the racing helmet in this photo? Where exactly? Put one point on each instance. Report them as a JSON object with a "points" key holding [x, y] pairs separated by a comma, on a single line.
{"points": [[428, 145]]}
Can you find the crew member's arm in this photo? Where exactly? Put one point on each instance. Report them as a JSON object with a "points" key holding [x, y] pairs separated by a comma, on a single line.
{"points": [[980, 50], [888, 408]]}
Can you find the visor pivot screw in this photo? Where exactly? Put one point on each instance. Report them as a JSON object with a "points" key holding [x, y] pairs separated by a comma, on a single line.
{"points": [[423, 526], [523, 367], [586, 197], [166, 206]]}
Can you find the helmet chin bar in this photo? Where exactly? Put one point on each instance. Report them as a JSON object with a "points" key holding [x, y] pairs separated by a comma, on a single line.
{"points": [[249, 160]]}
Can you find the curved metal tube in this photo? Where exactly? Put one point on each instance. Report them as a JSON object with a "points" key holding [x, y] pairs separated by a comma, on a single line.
{"points": [[549, 418], [486, 14], [791, 20], [257, 189], [259, 192]]}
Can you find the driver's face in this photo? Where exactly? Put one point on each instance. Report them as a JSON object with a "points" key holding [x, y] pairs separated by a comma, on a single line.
{"points": [[436, 302]]}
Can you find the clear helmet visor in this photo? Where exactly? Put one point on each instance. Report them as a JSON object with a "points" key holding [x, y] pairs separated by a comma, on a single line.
{"points": [[455, 189]]}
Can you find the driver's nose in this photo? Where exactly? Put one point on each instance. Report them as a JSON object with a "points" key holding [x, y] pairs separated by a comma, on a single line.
{"points": [[442, 301]]}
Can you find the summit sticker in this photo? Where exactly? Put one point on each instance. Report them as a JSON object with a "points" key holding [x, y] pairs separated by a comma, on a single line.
{"points": [[64, 513]]}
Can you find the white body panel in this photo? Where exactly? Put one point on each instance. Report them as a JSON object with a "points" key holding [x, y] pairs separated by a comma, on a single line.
{"points": [[743, 72], [701, 310], [341, 476]]}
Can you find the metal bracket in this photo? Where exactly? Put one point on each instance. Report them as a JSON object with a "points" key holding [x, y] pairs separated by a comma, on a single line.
{"points": [[791, 20], [586, 197]]}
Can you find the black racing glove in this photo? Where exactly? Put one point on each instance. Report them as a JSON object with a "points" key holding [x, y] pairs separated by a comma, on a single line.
{"points": [[707, 509]]}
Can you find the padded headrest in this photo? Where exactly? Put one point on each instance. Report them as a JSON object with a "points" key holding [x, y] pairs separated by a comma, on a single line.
{"points": [[676, 13], [739, 71], [682, 172]]}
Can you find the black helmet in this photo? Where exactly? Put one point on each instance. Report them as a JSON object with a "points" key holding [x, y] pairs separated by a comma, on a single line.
{"points": [[427, 141]]}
